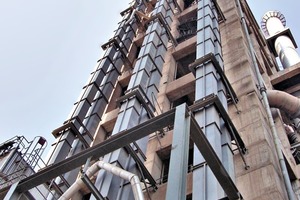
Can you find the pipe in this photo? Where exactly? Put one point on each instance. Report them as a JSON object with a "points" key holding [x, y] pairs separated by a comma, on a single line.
{"points": [[273, 23], [286, 51], [296, 122], [276, 140], [291, 134], [132, 178], [284, 101]]}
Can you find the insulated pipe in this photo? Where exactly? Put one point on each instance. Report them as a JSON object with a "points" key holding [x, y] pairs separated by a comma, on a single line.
{"points": [[286, 51], [132, 178], [273, 22], [284, 101], [287, 182]]}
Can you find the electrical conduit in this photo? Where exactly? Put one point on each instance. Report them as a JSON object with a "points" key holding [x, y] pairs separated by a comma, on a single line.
{"points": [[288, 185]]}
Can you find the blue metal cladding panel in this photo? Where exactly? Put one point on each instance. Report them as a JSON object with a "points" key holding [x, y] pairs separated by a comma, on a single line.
{"points": [[146, 77], [91, 105], [205, 185]]}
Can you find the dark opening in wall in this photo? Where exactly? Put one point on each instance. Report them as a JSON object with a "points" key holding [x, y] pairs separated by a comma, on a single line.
{"points": [[86, 196], [189, 197], [165, 154], [138, 49], [118, 92], [191, 157], [188, 3], [187, 29], [188, 99], [183, 65], [296, 154]]}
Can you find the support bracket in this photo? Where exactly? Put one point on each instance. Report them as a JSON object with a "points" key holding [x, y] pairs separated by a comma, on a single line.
{"points": [[141, 164], [163, 22], [114, 42], [127, 10], [221, 17], [69, 125], [139, 93], [215, 101], [92, 187], [128, 136], [211, 58]]}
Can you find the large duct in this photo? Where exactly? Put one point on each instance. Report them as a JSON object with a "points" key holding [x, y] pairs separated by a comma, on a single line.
{"points": [[284, 101], [280, 38]]}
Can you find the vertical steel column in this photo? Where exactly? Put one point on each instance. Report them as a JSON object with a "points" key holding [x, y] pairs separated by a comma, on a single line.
{"points": [[205, 185], [176, 188], [145, 76]]}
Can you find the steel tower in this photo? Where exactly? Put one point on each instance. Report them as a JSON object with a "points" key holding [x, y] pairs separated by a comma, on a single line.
{"points": [[179, 107]]}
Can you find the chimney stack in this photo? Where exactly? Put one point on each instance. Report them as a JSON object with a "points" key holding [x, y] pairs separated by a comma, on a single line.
{"points": [[279, 38]]}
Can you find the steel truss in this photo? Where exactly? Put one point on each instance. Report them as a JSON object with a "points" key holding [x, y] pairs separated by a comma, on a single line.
{"points": [[180, 114]]}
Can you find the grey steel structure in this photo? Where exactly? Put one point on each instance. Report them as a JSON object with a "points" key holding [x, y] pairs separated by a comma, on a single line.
{"points": [[175, 104]]}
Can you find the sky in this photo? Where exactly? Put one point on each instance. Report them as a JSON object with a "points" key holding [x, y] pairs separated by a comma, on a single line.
{"points": [[48, 49]]}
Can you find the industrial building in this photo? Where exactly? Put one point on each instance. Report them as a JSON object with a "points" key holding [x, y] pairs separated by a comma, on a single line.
{"points": [[187, 102]]}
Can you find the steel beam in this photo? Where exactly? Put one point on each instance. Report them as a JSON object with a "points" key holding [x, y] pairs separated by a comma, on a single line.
{"points": [[215, 101], [115, 142], [183, 125], [213, 161], [221, 17], [176, 188], [92, 187], [144, 170]]}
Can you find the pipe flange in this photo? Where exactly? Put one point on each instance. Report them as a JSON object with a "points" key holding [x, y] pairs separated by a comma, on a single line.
{"points": [[262, 89]]}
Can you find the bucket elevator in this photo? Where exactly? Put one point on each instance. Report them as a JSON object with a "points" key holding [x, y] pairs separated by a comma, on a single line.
{"points": [[187, 102]]}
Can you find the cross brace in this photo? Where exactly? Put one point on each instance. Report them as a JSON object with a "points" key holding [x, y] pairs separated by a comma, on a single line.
{"points": [[126, 137]]}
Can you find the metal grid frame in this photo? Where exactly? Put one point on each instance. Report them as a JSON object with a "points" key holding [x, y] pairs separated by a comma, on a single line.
{"points": [[126, 137]]}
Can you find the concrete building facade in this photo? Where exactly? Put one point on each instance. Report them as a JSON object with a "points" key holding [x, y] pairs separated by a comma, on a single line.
{"points": [[188, 102]]}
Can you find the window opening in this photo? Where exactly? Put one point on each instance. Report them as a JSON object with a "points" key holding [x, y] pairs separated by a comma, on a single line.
{"points": [[183, 65], [188, 99], [187, 29], [164, 154], [189, 3]]}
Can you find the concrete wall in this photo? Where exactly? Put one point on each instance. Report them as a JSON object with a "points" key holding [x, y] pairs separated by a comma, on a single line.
{"points": [[263, 180]]}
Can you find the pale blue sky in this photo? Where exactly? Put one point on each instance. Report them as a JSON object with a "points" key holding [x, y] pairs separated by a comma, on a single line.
{"points": [[48, 48]]}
